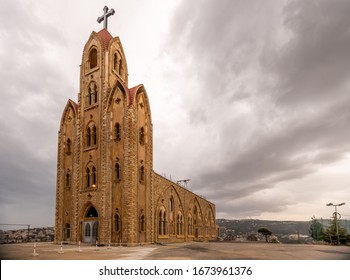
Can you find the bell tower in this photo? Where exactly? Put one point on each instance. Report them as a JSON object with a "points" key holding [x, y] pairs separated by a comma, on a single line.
{"points": [[106, 190]]}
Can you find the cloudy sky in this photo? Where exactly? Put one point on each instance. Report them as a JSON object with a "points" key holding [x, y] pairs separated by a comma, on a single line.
{"points": [[250, 99]]}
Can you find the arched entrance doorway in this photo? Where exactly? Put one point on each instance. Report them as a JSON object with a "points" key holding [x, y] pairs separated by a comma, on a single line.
{"points": [[91, 225]]}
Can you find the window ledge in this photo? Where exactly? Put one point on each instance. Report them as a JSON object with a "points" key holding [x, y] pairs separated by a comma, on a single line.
{"points": [[88, 72], [90, 148], [89, 107]]}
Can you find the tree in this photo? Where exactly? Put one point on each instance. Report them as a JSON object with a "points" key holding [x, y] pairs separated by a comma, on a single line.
{"points": [[316, 230], [265, 232], [331, 235]]}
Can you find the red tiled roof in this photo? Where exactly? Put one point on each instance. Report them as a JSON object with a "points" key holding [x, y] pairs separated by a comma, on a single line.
{"points": [[132, 93], [74, 104], [105, 37]]}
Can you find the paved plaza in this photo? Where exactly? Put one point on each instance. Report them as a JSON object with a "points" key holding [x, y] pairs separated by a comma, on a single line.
{"points": [[179, 251]]}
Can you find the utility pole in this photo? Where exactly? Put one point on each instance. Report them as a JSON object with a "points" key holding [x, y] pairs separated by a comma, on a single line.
{"points": [[335, 215]]}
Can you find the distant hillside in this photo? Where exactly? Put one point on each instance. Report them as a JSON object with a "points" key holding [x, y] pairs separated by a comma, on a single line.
{"points": [[282, 229], [277, 227]]}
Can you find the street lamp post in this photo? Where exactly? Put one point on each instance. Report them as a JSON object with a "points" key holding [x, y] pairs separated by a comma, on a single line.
{"points": [[336, 216]]}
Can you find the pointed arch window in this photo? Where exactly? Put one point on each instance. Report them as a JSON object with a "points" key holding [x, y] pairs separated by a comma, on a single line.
{"points": [[195, 215], [171, 204], [142, 221], [171, 216], [93, 58], [94, 177], [91, 177], [142, 174], [117, 63], [208, 223], [91, 135], [190, 225], [88, 137], [116, 222], [120, 72], [92, 212], [162, 222], [68, 179], [87, 176], [142, 136], [92, 94], [94, 135], [117, 172], [68, 146], [89, 97], [95, 93], [179, 227], [117, 132]]}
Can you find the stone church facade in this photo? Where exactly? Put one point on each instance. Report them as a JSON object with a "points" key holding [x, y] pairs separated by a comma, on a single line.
{"points": [[106, 188]]}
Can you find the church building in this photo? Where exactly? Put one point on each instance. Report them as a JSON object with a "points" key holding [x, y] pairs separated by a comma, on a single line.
{"points": [[107, 191]]}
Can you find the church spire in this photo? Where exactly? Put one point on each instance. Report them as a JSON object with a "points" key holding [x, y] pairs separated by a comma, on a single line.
{"points": [[105, 16]]}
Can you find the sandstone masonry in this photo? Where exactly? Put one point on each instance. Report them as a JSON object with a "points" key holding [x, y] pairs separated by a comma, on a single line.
{"points": [[107, 191]]}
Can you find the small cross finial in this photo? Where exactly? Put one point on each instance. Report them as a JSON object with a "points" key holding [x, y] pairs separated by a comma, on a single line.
{"points": [[106, 14]]}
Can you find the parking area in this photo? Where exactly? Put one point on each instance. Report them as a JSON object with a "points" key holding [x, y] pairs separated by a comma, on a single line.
{"points": [[179, 251]]}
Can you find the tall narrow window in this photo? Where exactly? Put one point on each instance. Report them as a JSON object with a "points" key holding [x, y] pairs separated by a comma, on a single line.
{"points": [[179, 223], [89, 97], [142, 136], [116, 222], [94, 177], [95, 93], [142, 222], [87, 178], [69, 146], [142, 174], [120, 67], [117, 63], [117, 131], [195, 215], [162, 222], [88, 137], [94, 135], [171, 204], [117, 172], [93, 58], [67, 180], [171, 216], [67, 230], [189, 223]]}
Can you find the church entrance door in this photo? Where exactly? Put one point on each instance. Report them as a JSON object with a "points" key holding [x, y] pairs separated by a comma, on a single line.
{"points": [[90, 231]]}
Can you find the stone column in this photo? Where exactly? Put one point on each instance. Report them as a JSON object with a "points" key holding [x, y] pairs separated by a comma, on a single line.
{"points": [[129, 217]]}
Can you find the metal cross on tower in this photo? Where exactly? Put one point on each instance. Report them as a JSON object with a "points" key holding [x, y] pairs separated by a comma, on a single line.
{"points": [[106, 14]]}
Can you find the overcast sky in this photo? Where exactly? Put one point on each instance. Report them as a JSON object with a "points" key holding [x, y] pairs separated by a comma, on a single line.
{"points": [[250, 99]]}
